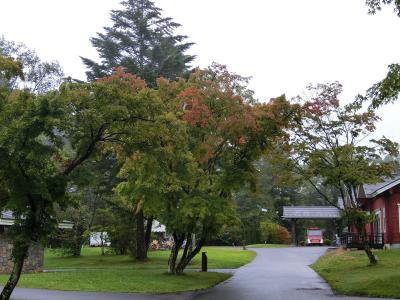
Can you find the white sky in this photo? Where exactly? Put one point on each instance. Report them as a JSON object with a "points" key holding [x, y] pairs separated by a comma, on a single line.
{"points": [[283, 44]]}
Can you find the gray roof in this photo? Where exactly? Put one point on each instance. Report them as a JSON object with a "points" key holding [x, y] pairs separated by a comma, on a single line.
{"points": [[310, 212], [372, 190], [7, 214], [158, 227], [7, 219]]}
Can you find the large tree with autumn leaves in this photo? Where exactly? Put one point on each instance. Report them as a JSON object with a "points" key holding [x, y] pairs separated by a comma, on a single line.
{"points": [[203, 150]]}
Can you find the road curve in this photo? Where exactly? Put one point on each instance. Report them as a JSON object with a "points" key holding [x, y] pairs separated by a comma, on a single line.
{"points": [[275, 274]]}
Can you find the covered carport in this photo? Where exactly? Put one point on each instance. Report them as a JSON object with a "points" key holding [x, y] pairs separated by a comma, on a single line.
{"points": [[294, 213]]}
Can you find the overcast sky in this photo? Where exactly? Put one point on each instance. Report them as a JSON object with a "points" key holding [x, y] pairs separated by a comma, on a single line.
{"points": [[282, 44]]}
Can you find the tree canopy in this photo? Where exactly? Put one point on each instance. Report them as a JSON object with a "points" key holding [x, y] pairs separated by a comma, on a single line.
{"points": [[141, 41], [330, 142], [39, 76], [203, 150]]}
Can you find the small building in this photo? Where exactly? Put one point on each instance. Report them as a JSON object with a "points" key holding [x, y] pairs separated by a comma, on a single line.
{"points": [[295, 213], [34, 261], [158, 229], [383, 200]]}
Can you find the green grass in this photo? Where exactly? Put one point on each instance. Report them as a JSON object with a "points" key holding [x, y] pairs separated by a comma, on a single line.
{"points": [[350, 273], [218, 258], [121, 280], [268, 246], [121, 273]]}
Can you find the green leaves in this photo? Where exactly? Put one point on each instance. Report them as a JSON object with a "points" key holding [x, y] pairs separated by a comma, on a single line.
{"points": [[142, 42], [330, 144], [358, 217], [387, 90]]}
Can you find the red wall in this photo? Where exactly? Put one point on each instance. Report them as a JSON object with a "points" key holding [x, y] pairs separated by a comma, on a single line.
{"points": [[392, 216], [387, 203]]}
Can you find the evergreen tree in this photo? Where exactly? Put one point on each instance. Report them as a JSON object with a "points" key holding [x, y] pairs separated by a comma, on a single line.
{"points": [[142, 42]]}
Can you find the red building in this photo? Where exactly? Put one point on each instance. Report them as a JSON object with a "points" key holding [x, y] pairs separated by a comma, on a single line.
{"points": [[383, 200]]}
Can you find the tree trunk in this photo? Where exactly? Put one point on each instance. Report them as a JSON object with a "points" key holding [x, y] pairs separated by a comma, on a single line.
{"points": [[187, 257], [147, 236], [14, 276], [79, 240], [178, 241], [141, 251], [102, 243], [371, 256], [187, 254]]}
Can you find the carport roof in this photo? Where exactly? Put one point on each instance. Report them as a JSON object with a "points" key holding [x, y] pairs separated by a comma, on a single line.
{"points": [[310, 212]]}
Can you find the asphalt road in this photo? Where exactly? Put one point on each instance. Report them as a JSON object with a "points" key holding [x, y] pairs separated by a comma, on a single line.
{"points": [[275, 274]]}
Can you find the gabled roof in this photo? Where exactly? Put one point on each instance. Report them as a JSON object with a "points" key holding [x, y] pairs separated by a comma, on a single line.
{"points": [[310, 212], [7, 219], [372, 190]]}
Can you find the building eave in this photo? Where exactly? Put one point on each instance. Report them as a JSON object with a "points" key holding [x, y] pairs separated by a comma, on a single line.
{"points": [[383, 189]]}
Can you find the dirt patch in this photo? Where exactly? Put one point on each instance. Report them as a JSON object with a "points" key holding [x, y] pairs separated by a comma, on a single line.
{"points": [[337, 252]]}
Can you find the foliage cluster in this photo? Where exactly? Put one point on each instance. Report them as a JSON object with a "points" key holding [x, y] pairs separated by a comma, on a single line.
{"points": [[273, 233]]}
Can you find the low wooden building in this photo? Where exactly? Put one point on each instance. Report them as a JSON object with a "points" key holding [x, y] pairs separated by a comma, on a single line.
{"points": [[383, 200]]}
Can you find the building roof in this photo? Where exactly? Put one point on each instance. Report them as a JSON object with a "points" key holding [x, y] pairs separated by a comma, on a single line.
{"points": [[7, 214], [310, 212], [372, 190], [7, 219], [158, 227]]}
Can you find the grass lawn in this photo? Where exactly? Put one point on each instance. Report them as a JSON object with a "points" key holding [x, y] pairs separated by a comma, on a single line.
{"points": [[350, 273], [121, 273], [218, 258], [268, 246], [121, 280]]}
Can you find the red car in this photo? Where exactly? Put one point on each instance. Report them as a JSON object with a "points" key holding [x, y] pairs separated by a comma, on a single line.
{"points": [[314, 236]]}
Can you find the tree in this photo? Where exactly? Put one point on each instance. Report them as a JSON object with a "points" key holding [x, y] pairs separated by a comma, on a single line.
{"points": [[203, 151], [274, 233], [388, 89], [359, 218], [328, 147], [45, 138], [39, 76], [142, 42]]}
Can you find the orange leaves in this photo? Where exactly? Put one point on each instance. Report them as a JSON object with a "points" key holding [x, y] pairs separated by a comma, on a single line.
{"points": [[133, 82], [313, 107], [196, 113], [242, 140]]}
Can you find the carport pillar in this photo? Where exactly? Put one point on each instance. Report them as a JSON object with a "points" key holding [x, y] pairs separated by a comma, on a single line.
{"points": [[294, 237]]}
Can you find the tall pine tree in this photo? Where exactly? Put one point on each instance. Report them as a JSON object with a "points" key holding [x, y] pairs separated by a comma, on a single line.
{"points": [[142, 42]]}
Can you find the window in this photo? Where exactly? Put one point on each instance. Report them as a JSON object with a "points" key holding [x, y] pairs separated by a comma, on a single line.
{"points": [[314, 232], [377, 225]]}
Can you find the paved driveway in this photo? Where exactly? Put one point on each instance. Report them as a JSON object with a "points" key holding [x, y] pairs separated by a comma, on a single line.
{"points": [[275, 274]]}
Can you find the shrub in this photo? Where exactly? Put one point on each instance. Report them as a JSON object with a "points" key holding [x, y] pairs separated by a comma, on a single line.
{"points": [[273, 233]]}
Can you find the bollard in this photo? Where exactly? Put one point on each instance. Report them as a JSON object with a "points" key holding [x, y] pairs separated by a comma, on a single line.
{"points": [[244, 245], [203, 262]]}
